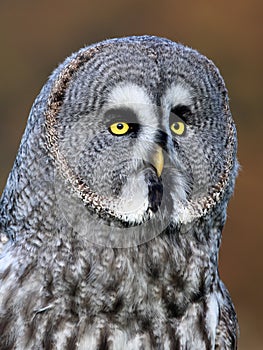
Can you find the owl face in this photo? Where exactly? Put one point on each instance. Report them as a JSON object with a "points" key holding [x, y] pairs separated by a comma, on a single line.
{"points": [[142, 137]]}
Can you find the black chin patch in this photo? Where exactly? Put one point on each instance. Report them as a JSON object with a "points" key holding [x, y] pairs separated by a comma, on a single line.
{"points": [[155, 187]]}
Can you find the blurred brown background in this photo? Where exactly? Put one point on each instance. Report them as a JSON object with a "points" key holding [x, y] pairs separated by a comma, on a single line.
{"points": [[36, 35]]}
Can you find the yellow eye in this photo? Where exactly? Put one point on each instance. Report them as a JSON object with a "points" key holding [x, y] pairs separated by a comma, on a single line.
{"points": [[178, 128], [120, 128]]}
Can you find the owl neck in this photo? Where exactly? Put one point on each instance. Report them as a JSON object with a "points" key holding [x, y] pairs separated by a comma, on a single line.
{"points": [[162, 278]]}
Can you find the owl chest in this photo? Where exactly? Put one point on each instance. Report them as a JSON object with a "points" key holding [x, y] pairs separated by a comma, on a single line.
{"points": [[151, 324], [114, 306], [146, 312]]}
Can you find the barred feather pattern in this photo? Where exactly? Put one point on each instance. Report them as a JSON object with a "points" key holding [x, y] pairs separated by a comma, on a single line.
{"points": [[165, 295], [61, 290]]}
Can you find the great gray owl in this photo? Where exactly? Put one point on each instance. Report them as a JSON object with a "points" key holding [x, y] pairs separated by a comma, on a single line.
{"points": [[113, 211]]}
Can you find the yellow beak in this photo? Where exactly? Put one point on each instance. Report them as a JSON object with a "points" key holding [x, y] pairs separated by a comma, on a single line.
{"points": [[158, 160]]}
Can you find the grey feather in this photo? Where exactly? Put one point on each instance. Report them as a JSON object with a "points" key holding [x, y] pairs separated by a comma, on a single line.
{"points": [[100, 251]]}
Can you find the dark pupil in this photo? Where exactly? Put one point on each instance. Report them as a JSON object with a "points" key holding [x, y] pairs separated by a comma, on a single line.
{"points": [[119, 126]]}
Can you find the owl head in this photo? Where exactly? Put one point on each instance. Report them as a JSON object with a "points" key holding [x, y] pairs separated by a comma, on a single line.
{"points": [[130, 136]]}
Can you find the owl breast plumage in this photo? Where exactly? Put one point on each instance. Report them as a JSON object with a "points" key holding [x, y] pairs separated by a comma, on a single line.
{"points": [[112, 215]]}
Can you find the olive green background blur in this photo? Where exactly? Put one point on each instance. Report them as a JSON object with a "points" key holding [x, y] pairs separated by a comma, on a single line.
{"points": [[36, 35]]}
